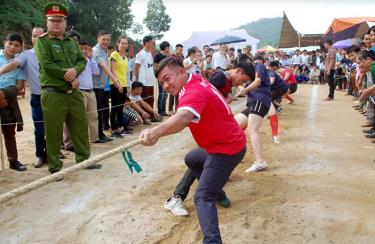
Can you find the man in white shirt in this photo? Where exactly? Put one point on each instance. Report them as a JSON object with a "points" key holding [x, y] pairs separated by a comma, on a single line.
{"points": [[314, 75], [305, 58], [296, 59], [191, 62], [220, 59], [144, 70]]}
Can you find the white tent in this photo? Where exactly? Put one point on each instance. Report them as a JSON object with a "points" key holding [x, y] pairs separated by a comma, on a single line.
{"points": [[199, 39]]}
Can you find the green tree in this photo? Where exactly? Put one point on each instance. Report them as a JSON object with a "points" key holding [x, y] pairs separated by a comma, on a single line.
{"points": [[20, 16], [157, 20]]}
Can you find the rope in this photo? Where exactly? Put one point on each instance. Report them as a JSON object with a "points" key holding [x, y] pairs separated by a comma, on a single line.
{"points": [[52, 178]]}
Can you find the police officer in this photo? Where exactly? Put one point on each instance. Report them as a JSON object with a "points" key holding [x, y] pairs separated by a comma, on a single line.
{"points": [[61, 61]]}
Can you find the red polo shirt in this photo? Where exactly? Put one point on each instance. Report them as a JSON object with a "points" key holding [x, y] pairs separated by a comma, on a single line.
{"points": [[214, 127]]}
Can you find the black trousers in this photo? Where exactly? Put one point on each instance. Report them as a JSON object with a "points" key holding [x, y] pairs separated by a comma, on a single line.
{"points": [[100, 104], [117, 104], [331, 84]]}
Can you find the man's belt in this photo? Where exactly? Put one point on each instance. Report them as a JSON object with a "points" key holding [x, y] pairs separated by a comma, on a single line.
{"points": [[53, 89], [87, 90]]}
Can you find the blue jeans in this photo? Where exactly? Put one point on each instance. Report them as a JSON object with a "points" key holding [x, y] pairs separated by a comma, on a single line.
{"points": [[162, 100], [37, 115], [213, 173]]}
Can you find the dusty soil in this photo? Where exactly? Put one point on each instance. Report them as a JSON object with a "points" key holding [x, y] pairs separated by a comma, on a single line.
{"points": [[319, 189]]}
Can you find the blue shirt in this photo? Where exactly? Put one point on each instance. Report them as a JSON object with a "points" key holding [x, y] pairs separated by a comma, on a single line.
{"points": [[101, 56], [263, 92], [279, 83], [373, 48], [29, 62], [85, 78], [9, 79]]}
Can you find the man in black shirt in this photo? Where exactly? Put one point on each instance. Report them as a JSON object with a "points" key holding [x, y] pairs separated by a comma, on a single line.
{"points": [[162, 98]]}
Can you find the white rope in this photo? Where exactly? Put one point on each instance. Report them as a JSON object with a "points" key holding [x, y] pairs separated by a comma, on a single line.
{"points": [[52, 178]]}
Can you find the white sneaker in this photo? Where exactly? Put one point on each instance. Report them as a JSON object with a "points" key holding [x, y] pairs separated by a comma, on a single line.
{"points": [[176, 206], [256, 167], [276, 140]]}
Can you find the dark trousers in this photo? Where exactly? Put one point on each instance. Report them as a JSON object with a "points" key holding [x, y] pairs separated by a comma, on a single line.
{"points": [[117, 104], [148, 95], [9, 132], [106, 111], [331, 84], [173, 100], [213, 174], [100, 103], [39, 135], [162, 99]]}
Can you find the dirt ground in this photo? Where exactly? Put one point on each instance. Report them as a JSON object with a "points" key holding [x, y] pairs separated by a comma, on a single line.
{"points": [[320, 187]]}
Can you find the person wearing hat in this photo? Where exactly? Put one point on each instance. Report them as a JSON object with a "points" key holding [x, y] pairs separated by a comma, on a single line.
{"points": [[61, 61]]}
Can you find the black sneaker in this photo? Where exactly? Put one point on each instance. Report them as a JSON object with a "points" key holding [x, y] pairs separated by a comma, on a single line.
{"points": [[94, 166], [16, 165], [106, 139], [117, 134], [370, 131]]}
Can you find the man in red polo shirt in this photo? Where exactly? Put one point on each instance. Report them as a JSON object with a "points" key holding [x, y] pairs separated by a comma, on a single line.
{"points": [[204, 110]]}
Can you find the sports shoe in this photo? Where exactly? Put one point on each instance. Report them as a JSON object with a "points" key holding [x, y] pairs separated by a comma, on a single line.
{"points": [[279, 110], [276, 140], [256, 167], [176, 206]]}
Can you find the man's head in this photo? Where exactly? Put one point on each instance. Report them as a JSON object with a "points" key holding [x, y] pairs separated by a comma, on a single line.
{"points": [[274, 65], [371, 31], [208, 58], [85, 48], [137, 88], [327, 44], [297, 52], [192, 52], [352, 53], [179, 49], [37, 31], [56, 14], [239, 51], [211, 51], [223, 48], [259, 59], [104, 39], [248, 49], [314, 67], [148, 42], [12, 45], [205, 49], [367, 40], [242, 73], [231, 51], [171, 75], [165, 47], [364, 60], [304, 52]]}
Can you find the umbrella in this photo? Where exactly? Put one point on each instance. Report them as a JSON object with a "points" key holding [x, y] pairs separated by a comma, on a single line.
{"points": [[267, 49], [343, 44], [227, 40]]}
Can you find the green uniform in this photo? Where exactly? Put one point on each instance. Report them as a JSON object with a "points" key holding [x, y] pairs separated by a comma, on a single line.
{"points": [[61, 103]]}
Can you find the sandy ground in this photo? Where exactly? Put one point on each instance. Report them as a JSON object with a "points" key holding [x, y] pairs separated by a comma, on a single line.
{"points": [[320, 188]]}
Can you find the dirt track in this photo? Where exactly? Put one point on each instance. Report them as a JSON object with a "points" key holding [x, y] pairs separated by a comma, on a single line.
{"points": [[320, 188]]}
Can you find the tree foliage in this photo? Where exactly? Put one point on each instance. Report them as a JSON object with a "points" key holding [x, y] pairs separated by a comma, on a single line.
{"points": [[86, 16], [157, 20]]}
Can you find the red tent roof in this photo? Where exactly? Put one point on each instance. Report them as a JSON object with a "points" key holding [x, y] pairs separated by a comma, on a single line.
{"points": [[341, 24]]}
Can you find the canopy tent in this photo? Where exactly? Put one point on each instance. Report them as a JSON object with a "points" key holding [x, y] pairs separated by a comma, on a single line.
{"points": [[267, 49], [289, 37], [345, 28], [199, 39]]}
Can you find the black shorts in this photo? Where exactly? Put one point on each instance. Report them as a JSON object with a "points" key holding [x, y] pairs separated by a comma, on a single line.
{"points": [[256, 107], [276, 94], [292, 88]]}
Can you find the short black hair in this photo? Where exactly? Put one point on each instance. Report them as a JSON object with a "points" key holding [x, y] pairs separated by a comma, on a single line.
{"points": [[191, 51], [74, 34], [147, 39], [248, 68], [83, 42], [103, 32], [164, 45], [274, 64], [136, 84], [208, 56], [259, 57], [243, 58], [167, 62], [232, 49], [239, 50], [206, 46], [14, 37], [179, 45], [353, 49], [372, 28], [364, 54]]}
